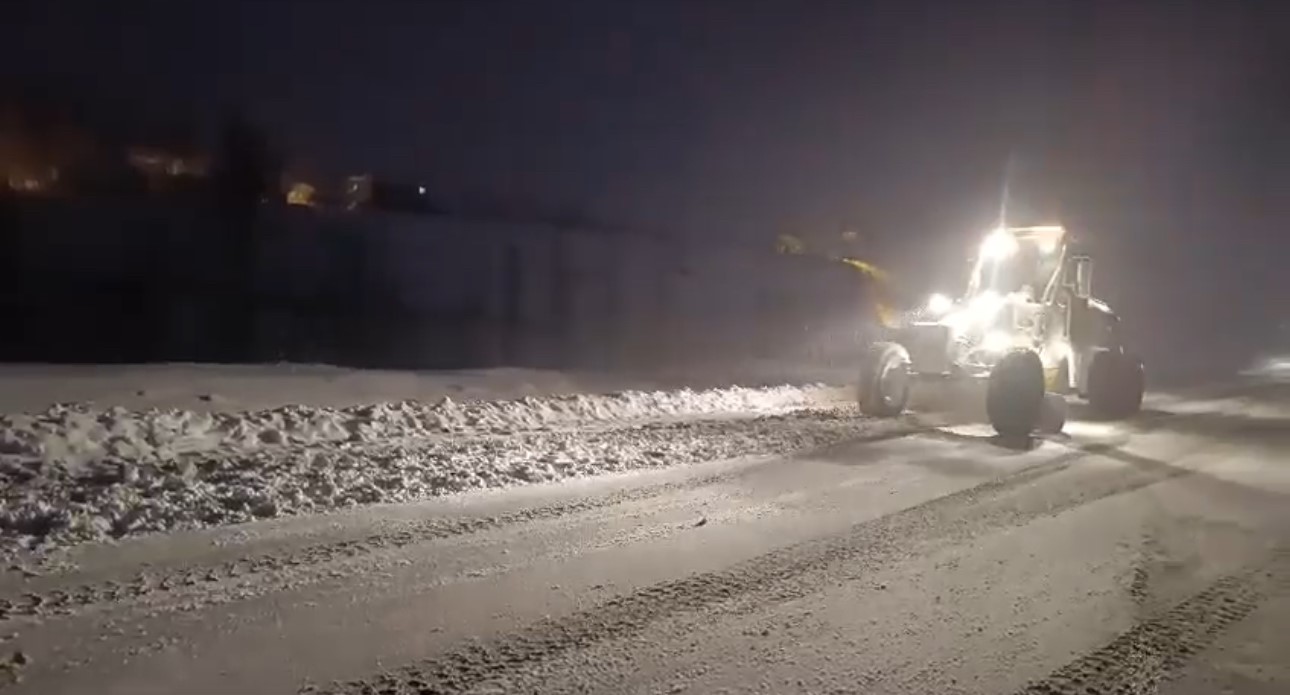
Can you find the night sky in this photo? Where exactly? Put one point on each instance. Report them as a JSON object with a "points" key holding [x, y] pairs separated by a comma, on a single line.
{"points": [[1157, 129]]}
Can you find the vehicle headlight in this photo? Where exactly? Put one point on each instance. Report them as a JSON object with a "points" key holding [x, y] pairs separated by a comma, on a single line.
{"points": [[999, 244], [986, 307], [939, 304], [996, 341]]}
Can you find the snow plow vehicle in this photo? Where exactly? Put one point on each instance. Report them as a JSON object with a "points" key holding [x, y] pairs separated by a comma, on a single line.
{"points": [[1027, 329]]}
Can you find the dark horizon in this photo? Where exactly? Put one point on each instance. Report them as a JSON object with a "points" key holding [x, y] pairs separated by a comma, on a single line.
{"points": [[787, 114], [1151, 128]]}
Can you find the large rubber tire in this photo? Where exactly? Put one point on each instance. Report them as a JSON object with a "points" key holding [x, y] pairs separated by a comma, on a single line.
{"points": [[1116, 383], [1015, 394], [1052, 414], [884, 380]]}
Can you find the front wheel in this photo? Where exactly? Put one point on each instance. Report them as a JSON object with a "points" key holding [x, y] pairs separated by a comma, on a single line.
{"points": [[1052, 414], [1015, 395], [884, 380]]}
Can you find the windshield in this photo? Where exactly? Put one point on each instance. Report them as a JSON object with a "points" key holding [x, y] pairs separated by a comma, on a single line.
{"points": [[1029, 266]]}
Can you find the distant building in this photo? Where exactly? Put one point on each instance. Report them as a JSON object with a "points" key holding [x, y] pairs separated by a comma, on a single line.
{"points": [[31, 180], [358, 192], [367, 193], [48, 148], [302, 194], [153, 161], [37, 150]]}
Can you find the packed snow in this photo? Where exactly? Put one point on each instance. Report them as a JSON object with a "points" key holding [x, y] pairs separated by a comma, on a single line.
{"points": [[76, 473]]}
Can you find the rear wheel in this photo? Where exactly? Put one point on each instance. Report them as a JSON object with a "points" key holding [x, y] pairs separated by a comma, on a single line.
{"points": [[1052, 414], [884, 380], [1116, 382], [1015, 394]]}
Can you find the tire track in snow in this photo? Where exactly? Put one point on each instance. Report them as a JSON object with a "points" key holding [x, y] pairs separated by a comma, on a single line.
{"points": [[775, 576], [145, 584], [1157, 650]]}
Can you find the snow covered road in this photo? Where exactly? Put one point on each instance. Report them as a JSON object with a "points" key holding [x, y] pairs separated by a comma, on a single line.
{"points": [[803, 551]]}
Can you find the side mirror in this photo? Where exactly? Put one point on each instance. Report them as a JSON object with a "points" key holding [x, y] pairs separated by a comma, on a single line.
{"points": [[1083, 277]]}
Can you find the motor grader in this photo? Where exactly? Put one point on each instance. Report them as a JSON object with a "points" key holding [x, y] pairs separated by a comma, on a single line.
{"points": [[1026, 328]]}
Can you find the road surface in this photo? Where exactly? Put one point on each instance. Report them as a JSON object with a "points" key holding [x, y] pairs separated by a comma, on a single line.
{"points": [[1124, 558]]}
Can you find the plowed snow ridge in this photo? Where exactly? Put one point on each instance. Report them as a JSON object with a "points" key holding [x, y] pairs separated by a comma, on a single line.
{"points": [[73, 474], [74, 434]]}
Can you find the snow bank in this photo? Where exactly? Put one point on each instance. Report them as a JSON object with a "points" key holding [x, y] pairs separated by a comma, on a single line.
{"points": [[28, 388], [75, 474], [75, 435]]}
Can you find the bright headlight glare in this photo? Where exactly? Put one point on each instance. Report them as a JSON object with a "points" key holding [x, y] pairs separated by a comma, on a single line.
{"points": [[996, 341], [939, 304], [999, 244], [986, 306]]}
